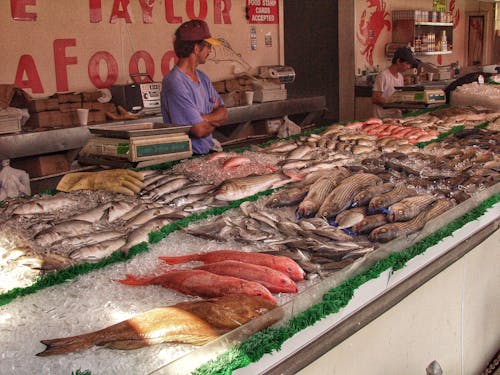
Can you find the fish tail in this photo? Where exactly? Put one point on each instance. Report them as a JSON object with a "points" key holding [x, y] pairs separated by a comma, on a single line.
{"points": [[180, 259], [132, 280], [67, 345]]}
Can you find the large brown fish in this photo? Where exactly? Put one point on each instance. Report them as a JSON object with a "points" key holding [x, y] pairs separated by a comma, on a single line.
{"points": [[369, 223], [286, 197], [410, 207], [193, 323], [390, 231], [386, 199], [318, 192], [364, 196], [341, 197], [201, 283]]}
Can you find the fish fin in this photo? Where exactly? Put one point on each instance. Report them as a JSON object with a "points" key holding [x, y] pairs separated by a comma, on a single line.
{"points": [[179, 259], [66, 345], [294, 175], [132, 280]]}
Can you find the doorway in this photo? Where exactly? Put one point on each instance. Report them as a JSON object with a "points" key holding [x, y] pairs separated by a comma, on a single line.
{"points": [[311, 48]]}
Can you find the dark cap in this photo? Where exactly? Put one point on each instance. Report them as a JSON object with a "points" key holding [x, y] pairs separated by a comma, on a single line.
{"points": [[405, 54], [195, 30]]}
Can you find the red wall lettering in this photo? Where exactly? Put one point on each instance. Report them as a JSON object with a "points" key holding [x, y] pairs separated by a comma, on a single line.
{"points": [[27, 66], [169, 12], [165, 61], [18, 10], [147, 10], [133, 65], [117, 13], [95, 11], [93, 69], [221, 12], [190, 10], [61, 61]]}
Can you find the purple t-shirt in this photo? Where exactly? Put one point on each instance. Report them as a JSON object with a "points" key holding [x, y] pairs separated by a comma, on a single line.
{"points": [[184, 101]]}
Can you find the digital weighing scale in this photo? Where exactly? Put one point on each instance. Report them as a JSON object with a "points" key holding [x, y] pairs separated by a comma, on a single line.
{"points": [[414, 97], [136, 145]]}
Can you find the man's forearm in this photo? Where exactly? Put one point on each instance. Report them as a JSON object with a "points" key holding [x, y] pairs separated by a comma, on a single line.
{"points": [[217, 117]]}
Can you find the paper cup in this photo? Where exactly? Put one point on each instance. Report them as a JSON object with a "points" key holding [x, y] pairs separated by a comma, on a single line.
{"points": [[83, 115], [430, 76], [249, 97]]}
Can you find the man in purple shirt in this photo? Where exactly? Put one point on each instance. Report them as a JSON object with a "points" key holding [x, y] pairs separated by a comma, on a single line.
{"points": [[187, 96]]}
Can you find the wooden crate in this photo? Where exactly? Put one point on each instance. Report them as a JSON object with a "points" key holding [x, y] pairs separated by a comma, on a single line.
{"points": [[42, 165], [9, 124]]}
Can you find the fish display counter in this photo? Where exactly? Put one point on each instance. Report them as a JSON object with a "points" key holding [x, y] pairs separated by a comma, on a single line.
{"points": [[276, 239]]}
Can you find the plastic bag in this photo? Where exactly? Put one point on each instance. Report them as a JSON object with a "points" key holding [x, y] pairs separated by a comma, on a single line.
{"points": [[217, 147], [13, 182], [288, 128]]}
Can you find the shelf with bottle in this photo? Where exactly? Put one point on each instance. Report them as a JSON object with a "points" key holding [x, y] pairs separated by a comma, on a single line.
{"points": [[429, 23], [429, 53], [427, 43]]}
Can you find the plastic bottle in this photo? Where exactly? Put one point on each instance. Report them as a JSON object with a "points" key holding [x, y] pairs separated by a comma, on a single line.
{"points": [[444, 42]]}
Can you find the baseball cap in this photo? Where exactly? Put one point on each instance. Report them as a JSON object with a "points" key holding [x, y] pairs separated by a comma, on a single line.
{"points": [[405, 54], [195, 30]]}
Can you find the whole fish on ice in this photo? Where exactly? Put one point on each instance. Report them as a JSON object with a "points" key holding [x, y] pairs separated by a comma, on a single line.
{"points": [[279, 263], [195, 323], [201, 283], [238, 188], [275, 281]]}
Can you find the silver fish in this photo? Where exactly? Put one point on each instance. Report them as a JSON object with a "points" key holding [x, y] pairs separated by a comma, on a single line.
{"points": [[161, 181], [299, 152], [166, 188], [192, 189], [65, 229], [147, 215], [96, 252], [118, 209], [238, 188], [332, 233], [94, 214], [45, 205], [136, 209], [350, 219], [141, 234], [88, 239], [188, 199]]}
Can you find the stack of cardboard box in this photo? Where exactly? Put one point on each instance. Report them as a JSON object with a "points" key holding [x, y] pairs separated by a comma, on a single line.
{"points": [[59, 110], [232, 90]]}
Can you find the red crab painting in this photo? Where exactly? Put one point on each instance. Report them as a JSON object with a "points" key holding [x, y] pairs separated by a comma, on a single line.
{"points": [[373, 21], [455, 13]]}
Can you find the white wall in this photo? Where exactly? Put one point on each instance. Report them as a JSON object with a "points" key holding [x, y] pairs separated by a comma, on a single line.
{"points": [[32, 33], [453, 318]]}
